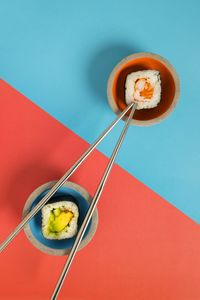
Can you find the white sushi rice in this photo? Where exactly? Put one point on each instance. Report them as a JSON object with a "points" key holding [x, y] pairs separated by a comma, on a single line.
{"points": [[134, 87], [70, 230]]}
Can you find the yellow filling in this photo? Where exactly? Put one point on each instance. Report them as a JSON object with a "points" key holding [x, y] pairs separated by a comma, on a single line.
{"points": [[59, 219]]}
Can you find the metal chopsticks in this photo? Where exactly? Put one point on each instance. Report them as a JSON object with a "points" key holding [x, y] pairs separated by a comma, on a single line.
{"points": [[63, 179], [92, 207]]}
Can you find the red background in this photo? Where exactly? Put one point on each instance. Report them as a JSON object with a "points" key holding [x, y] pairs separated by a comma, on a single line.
{"points": [[144, 248]]}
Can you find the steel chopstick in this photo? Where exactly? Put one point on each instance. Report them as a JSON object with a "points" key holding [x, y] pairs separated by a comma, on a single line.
{"points": [[62, 180], [92, 207]]}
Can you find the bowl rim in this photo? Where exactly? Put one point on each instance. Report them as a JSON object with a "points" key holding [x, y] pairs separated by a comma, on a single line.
{"points": [[134, 56], [41, 246]]}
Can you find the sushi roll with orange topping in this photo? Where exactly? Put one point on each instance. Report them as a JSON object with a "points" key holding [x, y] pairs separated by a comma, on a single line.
{"points": [[143, 88]]}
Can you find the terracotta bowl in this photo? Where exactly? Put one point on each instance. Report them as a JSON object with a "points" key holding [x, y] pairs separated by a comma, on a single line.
{"points": [[170, 86], [70, 192]]}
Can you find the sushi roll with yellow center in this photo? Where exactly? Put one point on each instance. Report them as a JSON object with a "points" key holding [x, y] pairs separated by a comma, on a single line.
{"points": [[143, 88], [59, 220]]}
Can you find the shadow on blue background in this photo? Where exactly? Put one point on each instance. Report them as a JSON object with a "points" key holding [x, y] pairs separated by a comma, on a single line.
{"points": [[102, 64]]}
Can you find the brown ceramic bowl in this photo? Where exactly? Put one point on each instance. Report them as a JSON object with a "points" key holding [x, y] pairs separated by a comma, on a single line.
{"points": [[71, 192], [170, 86]]}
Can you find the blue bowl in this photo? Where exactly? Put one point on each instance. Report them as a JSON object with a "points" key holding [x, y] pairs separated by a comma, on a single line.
{"points": [[68, 192]]}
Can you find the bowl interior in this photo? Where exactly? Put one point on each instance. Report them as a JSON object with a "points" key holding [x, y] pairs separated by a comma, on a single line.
{"points": [[167, 85], [67, 194]]}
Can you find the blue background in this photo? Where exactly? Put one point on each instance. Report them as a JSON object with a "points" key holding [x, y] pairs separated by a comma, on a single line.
{"points": [[60, 53]]}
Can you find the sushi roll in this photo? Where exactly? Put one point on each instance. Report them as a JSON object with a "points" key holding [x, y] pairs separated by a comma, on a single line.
{"points": [[143, 88], [59, 220]]}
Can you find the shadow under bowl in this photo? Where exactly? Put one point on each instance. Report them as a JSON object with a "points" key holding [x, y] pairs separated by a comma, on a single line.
{"points": [[68, 192], [170, 87]]}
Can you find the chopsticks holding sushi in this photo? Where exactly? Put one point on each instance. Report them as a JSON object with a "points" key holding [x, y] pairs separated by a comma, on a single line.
{"points": [[63, 179], [92, 206], [142, 88], [67, 224]]}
